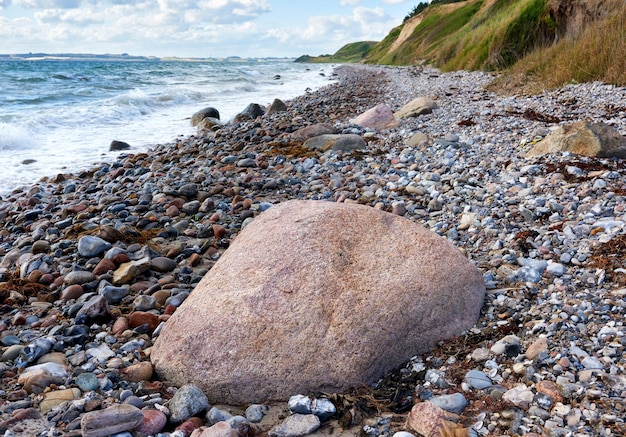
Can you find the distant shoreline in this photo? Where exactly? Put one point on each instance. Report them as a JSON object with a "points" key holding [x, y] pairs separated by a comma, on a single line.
{"points": [[123, 57]]}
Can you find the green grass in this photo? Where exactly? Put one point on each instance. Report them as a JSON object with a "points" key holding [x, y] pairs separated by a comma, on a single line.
{"points": [[597, 54], [523, 39], [349, 53]]}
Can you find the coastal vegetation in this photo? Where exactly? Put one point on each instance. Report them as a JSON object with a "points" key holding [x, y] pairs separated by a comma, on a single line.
{"points": [[534, 44], [349, 53]]}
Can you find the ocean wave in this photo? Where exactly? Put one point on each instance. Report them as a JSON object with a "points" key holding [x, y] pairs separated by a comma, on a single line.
{"points": [[14, 137]]}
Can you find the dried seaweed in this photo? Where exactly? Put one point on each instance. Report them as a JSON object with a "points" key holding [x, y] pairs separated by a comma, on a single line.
{"points": [[26, 288], [609, 257], [292, 148], [533, 115]]}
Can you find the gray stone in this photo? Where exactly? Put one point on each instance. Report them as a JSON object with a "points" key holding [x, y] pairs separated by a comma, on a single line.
{"points": [[118, 145], [190, 208], [296, 425], [12, 352], [276, 106], [187, 402], [87, 381], [216, 415], [203, 113], [100, 353], [94, 308], [323, 408], [111, 293], [556, 269], [338, 143], [592, 363], [300, 404], [247, 163], [509, 345], [519, 394], [252, 111], [144, 303], [477, 379], [115, 419], [78, 277], [90, 246], [454, 403], [162, 264], [256, 412], [189, 191]]}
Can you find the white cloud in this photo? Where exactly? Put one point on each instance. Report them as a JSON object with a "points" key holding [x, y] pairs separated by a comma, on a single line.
{"points": [[80, 17], [48, 4], [396, 2], [186, 27], [362, 24]]}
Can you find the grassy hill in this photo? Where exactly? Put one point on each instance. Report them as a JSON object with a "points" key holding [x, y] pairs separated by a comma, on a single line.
{"points": [[350, 53], [540, 43]]}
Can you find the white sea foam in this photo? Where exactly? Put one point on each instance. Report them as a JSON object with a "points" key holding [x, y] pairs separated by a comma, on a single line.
{"points": [[63, 125], [14, 138]]}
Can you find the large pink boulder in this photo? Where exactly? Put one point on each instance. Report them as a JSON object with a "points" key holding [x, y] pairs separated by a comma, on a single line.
{"points": [[317, 296], [379, 117]]}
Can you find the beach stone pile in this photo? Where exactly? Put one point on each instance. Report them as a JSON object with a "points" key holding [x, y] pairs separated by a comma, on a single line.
{"points": [[95, 264]]}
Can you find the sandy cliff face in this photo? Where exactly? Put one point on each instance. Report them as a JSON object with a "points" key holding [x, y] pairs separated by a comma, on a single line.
{"points": [[572, 16]]}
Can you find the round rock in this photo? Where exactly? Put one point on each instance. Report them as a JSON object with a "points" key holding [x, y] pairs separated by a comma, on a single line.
{"points": [[188, 401]]}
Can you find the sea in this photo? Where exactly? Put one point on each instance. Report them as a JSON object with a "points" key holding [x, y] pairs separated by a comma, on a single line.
{"points": [[60, 115]]}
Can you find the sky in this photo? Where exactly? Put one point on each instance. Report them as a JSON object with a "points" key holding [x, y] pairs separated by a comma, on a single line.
{"points": [[195, 28]]}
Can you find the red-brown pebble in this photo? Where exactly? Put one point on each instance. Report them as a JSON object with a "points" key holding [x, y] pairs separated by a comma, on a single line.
{"points": [[161, 296], [17, 395], [189, 425], [139, 318], [140, 286], [178, 202], [551, 389], [18, 319], [35, 275], [46, 279], [51, 320], [219, 231], [166, 280], [104, 266], [59, 281], [194, 259], [73, 209], [120, 325], [153, 422], [120, 258], [169, 310], [172, 211], [72, 292], [138, 372]]}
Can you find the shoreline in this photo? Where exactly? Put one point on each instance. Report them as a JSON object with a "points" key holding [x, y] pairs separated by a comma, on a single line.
{"points": [[181, 203]]}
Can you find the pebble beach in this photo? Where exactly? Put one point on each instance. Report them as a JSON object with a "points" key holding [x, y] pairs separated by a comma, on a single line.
{"points": [[546, 357]]}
